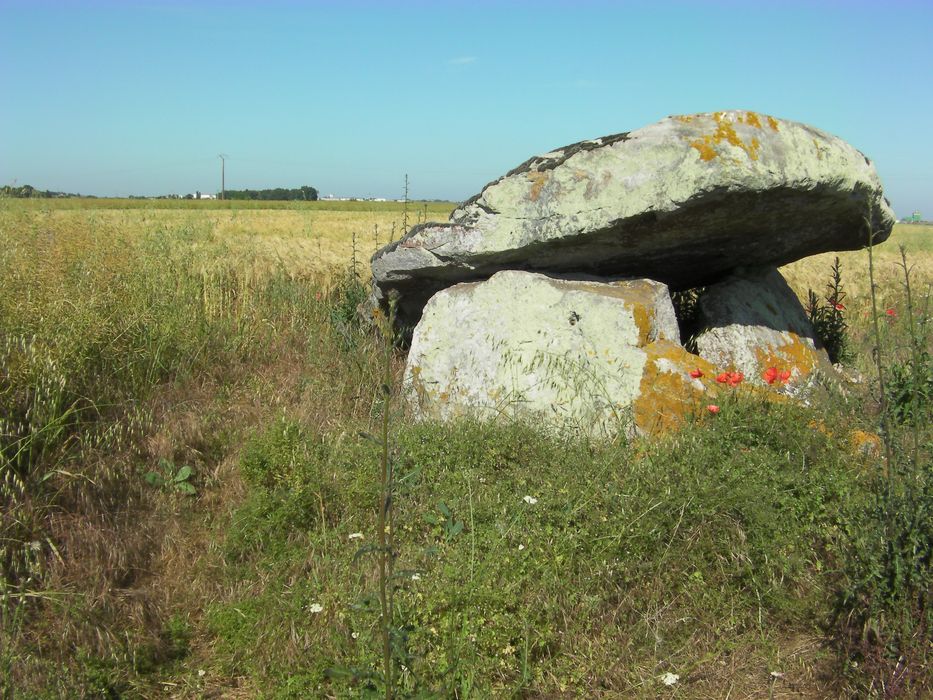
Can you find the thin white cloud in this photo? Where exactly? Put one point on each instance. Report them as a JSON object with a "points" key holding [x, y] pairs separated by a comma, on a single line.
{"points": [[462, 60]]}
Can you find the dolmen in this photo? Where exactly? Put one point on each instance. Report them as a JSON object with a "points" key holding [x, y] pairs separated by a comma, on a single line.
{"points": [[547, 296]]}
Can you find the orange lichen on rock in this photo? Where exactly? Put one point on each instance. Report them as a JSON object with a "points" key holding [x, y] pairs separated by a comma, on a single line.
{"points": [[864, 443], [668, 394], [795, 355], [725, 131], [751, 119], [819, 426], [538, 180]]}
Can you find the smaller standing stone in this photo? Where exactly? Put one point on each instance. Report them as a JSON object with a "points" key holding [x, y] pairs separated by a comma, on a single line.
{"points": [[752, 321]]}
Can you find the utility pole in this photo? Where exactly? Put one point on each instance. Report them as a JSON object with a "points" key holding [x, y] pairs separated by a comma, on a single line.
{"points": [[223, 190]]}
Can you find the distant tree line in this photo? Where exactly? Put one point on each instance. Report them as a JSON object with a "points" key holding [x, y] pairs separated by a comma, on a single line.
{"points": [[306, 193], [28, 191]]}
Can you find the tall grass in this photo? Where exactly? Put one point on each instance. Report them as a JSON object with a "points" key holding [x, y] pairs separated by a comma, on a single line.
{"points": [[94, 324]]}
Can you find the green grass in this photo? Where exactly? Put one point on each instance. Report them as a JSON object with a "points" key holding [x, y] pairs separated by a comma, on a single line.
{"points": [[632, 562], [132, 338]]}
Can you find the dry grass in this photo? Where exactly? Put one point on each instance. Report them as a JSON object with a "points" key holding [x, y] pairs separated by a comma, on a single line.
{"points": [[813, 272], [305, 239]]}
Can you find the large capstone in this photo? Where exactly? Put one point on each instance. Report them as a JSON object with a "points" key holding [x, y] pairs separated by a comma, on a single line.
{"points": [[683, 201], [593, 357]]}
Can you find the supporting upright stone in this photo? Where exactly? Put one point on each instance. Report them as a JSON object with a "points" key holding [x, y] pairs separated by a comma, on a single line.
{"points": [[570, 354], [753, 321]]}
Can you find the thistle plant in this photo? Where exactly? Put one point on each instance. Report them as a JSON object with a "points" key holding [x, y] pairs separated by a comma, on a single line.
{"points": [[828, 318]]}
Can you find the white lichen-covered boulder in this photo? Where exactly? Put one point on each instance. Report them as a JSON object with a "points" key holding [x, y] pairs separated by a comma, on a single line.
{"points": [[683, 201], [595, 357], [754, 323]]}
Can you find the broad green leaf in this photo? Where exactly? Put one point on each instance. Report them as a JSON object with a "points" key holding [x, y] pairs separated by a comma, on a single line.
{"points": [[184, 473]]}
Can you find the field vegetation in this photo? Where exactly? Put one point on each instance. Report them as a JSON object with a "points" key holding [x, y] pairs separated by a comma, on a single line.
{"points": [[190, 446]]}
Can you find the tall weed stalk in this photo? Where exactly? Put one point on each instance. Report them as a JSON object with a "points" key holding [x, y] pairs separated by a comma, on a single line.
{"points": [[886, 606]]}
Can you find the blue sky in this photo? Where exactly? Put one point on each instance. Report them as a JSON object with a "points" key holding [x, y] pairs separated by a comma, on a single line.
{"points": [[119, 98]]}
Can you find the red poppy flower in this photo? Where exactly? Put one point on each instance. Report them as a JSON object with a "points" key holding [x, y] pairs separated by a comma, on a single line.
{"points": [[785, 375], [696, 373], [713, 408], [891, 312], [735, 378], [723, 378], [770, 375], [839, 306]]}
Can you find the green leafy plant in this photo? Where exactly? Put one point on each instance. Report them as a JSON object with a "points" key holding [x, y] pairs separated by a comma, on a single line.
{"points": [[687, 311], [172, 478], [345, 301], [447, 524], [828, 316]]}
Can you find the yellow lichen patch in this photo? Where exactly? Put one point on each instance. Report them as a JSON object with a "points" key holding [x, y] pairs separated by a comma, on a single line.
{"points": [[684, 118], [537, 181], [707, 152], [667, 393], [864, 443], [795, 355], [819, 426], [725, 131], [772, 122], [752, 120]]}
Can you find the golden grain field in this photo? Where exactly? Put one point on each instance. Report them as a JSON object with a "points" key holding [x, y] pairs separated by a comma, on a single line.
{"points": [[318, 238]]}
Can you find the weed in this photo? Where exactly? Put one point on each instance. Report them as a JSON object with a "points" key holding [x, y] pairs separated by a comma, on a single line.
{"points": [[885, 605], [172, 478], [827, 316]]}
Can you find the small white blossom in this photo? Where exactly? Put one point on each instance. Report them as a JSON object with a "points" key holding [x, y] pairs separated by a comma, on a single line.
{"points": [[355, 635], [201, 673], [530, 500], [316, 608], [521, 547], [776, 675], [670, 678], [416, 577], [356, 536]]}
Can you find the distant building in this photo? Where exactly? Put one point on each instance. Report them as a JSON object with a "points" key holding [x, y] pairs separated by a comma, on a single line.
{"points": [[914, 218], [201, 195]]}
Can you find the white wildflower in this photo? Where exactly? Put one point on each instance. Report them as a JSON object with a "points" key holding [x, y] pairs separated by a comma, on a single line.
{"points": [[416, 577], [355, 635], [776, 675], [521, 547], [201, 673], [670, 678], [316, 608], [530, 500], [356, 536]]}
